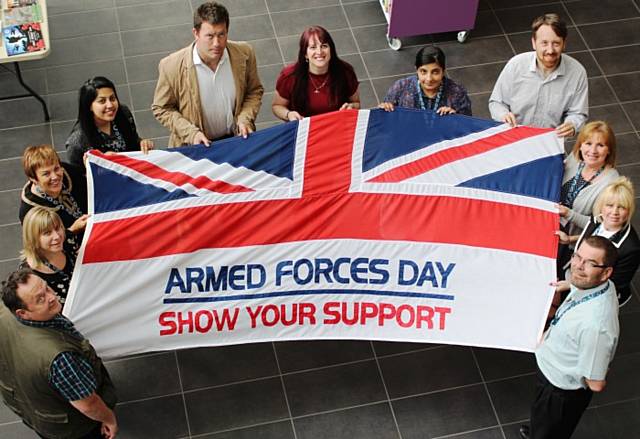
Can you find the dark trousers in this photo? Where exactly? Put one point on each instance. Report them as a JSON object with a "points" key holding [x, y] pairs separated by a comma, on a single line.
{"points": [[555, 412], [93, 434]]}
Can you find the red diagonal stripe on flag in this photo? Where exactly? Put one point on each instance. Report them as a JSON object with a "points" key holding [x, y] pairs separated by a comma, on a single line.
{"points": [[450, 155], [179, 179]]}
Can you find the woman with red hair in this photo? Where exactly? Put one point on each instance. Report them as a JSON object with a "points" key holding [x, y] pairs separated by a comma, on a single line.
{"points": [[319, 82]]}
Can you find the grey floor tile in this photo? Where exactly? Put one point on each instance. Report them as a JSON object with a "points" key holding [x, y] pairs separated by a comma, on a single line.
{"points": [[613, 115], [239, 7], [334, 388], [82, 24], [629, 341], [300, 355], [152, 418], [449, 412], [447, 366], [372, 421], [480, 105], [501, 4], [226, 364], [294, 22], [628, 151], [145, 377], [619, 60], [236, 406], [167, 38], [148, 126], [600, 93], [593, 11], [11, 175], [64, 106], [14, 140], [10, 86], [371, 37], [61, 131], [489, 433], [500, 363], [10, 240], [276, 430], [265, 114], [267, 51], [622, 380], [287, 5], [616, 33], [160, 15], [390, 63], [626, 86], [8, 266], [17, 430], [9, 206], [520, 19], [477, 51], [477, 79], [142, 95], [588, 62], [512, 397], [356, 62], [617, 421], [6, 414], [71, 78], [486, 25], [367, 95], [66, 6], [633, 110], [365, 13], [253, 27], [384, 348], [269, 75], [77, 50], [136, 2], [21, 112], [143, 67]]}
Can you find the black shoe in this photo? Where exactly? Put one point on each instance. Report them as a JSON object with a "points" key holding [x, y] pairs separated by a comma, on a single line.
{"points": [[524, 431]]}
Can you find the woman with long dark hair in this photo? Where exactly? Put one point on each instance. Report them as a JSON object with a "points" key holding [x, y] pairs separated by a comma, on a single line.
{"points": [[319, 82], [103, 123]]}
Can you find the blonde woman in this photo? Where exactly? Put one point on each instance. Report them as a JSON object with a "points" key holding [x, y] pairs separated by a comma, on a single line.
{"points": [[48, 250]]}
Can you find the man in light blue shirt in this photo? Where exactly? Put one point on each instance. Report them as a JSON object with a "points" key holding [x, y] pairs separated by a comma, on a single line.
{"points": [[576, 350]]}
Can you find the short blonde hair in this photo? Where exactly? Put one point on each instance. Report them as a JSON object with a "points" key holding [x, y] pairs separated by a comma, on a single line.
{"points": [[37, 221], [597, 126], [621, 192], [36, 156]]}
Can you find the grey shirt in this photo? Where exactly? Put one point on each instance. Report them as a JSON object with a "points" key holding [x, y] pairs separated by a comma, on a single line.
{"points": [[537, 101]]}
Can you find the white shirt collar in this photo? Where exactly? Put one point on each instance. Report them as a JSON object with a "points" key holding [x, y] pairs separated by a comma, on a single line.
{"points": [[198, 61]]}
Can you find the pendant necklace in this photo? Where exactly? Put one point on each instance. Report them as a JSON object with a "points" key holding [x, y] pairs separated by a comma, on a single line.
{"points": [[318, 87]]}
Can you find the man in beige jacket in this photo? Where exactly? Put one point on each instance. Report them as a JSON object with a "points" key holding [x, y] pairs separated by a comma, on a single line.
{"points": [[209, 90]]}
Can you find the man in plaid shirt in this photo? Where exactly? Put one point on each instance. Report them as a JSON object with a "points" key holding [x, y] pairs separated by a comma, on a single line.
{"points": [[50, 374]]}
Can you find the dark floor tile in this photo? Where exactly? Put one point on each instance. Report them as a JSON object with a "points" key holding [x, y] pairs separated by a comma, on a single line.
{"points": [[294, 22], [64, 106], [14, 140], [384, 348], [629, 341], [267, 51], [287, 5], [8, 266], [167, 38], [500, 363], [477, 51], [9, 206], [480, 105], [626, 86], [628, 151], [622, 380], [66, 6], [592, 11], [489, 433], [390, 63], [633, 305], [617, 421], [520, 19], [430, 370], [10, 240], [269, 75], [71, 78], [239, 8], [373, 421], [477, 79], [619, 60], [277, 430], [148, 126], [17, 430], [617, 33], [633, 110], [512, 397], [253, 27], [265, 114], [367, 96], [161, 14], [588, 62], [61, 131], [152, 418], [501, 4], [82, 24], [142, 95], [77, 50], [486, 25], [365, 13], [10, 86], [20, 112], [11, 175], [334, 388], [613, 115], [342, 38], [371, 37], [205, 367], [301, 355], [356, 62], [145, 377], [599, 92], [143, 67], [236, 406], [444, 413]]}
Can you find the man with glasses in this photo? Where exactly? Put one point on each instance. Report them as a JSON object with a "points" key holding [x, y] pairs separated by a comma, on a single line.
{"points": [[576, 350]]}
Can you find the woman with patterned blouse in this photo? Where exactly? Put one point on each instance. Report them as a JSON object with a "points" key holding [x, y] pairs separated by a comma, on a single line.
{"points": [[103, 123], [429, 89]]}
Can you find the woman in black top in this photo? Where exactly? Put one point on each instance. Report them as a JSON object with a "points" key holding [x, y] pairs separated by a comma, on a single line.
{"points": [[103, 123], [48, 250]]}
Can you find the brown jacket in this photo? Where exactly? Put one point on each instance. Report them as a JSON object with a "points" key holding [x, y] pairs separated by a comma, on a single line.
{"points": [[176, 103]]}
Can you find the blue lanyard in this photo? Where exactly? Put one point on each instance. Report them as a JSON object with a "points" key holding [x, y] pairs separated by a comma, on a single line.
{"points": [[572, 304], [436, 104]]}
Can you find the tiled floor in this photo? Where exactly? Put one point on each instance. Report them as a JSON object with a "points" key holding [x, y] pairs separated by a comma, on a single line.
{"points": [[326, 389]]}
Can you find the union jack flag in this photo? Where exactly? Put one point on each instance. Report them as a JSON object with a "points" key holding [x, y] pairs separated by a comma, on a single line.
{"points": [[365, 182]]}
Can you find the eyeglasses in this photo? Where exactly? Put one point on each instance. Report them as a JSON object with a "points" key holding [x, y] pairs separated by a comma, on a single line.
{"points": [[588, 262]]}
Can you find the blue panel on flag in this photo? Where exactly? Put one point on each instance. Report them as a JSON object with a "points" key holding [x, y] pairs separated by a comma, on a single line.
{"points": [[538, 178], [113, 191], [270, 150], [403, 131]]}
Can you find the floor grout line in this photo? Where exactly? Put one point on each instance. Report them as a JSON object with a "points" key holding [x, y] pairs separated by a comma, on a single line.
{"points": [[284, 390], [386, 390], [184, 400], [486, 389]]}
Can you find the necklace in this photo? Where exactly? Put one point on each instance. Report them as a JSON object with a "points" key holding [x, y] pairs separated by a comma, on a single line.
{"points": [[316, 86], [63, 201], [432, 104]]}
